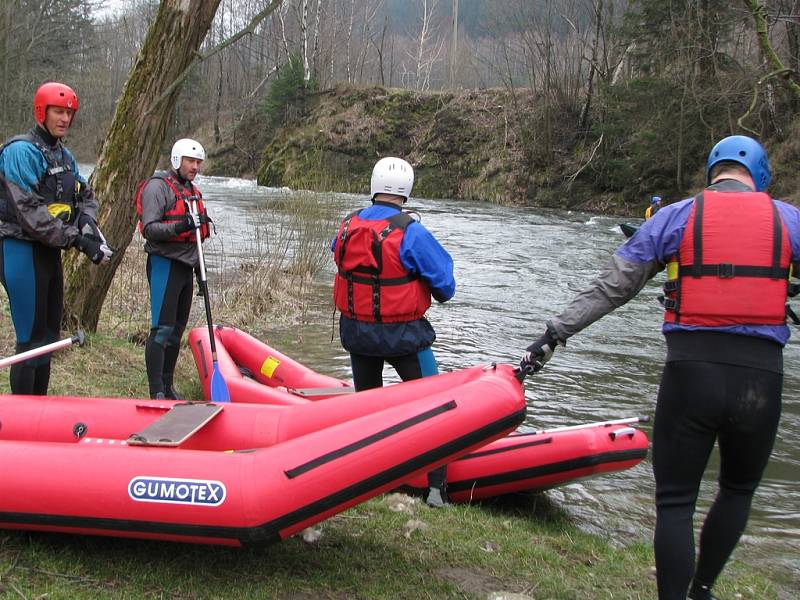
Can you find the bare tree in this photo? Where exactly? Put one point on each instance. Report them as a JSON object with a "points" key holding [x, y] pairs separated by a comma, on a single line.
{"points": [[428, 45]]}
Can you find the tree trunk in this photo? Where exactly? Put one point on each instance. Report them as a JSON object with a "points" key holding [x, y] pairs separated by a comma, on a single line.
{"points": [[131, 148], [304, 40], [583, 123]]}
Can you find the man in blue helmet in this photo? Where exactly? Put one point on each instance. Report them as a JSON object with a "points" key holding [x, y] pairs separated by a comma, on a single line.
{"points": [[728, 252], [655, 204]]}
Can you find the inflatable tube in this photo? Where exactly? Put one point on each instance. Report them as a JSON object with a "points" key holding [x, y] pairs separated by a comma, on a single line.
{"points": [[246, 473], [539, 461], [520, 462]]}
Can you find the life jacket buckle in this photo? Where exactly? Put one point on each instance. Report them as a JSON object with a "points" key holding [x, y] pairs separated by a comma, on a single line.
{"points": [[671, 286], [726, 270], [670, 303]]}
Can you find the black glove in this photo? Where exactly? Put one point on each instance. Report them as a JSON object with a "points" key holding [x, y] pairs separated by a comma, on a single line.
{"points": [[92, 247], [190, 222], [539, 352], [86, 224]]}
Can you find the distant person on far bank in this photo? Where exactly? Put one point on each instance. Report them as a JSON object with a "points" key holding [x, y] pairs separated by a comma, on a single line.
{"points": [[170, 209], [46, 206], [389, 266], [655, 204], [728, 252]]}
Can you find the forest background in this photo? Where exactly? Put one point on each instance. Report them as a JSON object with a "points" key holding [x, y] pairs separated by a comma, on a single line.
{"points": [[573, 103]]}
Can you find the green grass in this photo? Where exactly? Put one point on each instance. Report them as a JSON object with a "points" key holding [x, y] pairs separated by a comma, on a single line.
{"points": [[372, 551]]}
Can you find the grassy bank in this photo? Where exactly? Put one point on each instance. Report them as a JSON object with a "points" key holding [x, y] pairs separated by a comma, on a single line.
{"points": [[494, 145], [390, 547]]}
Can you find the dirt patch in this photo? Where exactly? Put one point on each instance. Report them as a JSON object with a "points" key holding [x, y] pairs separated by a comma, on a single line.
{"points": [[475, 582]]}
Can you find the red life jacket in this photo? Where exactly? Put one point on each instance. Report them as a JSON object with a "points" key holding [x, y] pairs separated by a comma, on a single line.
{"points": [[372, 284], [732, 264], [178, 210]]}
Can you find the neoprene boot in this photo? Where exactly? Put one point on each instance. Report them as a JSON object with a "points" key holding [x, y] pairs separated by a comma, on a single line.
{"points": [[700, 591], [436, 498], [171, 392], [437, 487]]}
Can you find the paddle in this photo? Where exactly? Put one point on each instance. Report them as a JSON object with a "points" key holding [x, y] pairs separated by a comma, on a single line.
{"points": [[624, 421], [78, 338], [219, 389]]}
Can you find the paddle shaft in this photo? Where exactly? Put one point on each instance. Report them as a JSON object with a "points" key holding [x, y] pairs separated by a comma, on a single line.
{"points": [[626, 421], [204, 282], [78, 338]]}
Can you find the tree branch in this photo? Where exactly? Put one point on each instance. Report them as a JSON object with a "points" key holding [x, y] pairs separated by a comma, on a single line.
{"points": [[782, 72], [200, 57], [759, 12], [571, 179]]}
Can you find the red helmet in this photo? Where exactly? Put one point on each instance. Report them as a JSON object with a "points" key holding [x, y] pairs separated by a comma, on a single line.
{"points": [[53, 94]]}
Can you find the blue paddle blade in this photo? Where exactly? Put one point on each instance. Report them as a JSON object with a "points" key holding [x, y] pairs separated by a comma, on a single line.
{"points": [[219, 389]]}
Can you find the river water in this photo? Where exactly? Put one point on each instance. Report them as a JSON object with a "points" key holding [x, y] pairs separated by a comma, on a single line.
{"points": [[515, 267]]}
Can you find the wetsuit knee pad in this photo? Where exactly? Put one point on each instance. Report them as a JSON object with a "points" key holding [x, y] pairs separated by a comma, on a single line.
{"points": [[175, 336], [163, 334]]}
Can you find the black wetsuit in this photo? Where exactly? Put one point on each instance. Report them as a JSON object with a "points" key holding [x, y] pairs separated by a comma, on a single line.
{"points": [[738, 405]]}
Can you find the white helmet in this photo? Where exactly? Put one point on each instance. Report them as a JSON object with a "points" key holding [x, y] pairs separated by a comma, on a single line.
{"points": [[392, 176], [188, 148]]}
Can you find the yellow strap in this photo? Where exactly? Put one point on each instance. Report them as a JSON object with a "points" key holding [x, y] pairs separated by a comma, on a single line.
{"points": [[60, 211], [672, 270]]}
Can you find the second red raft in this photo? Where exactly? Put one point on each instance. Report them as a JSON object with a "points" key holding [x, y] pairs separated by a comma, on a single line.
{"points": [[256, 372]]}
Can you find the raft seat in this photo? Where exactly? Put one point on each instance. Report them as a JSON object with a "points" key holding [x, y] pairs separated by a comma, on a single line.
{"points": [[177, 425]]}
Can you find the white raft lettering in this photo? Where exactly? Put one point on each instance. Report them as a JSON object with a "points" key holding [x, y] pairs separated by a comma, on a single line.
{"points": [[177, 491]]}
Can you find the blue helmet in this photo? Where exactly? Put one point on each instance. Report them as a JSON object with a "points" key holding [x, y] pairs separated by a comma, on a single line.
{"points": [[745, 151], [655, 200]]}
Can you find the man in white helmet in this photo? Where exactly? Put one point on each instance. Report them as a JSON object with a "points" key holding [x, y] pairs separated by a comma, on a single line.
{"points": [[170, 209], [389, 266]]}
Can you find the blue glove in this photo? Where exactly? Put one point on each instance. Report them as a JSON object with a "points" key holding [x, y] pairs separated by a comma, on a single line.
{"points": [[539, 352]]}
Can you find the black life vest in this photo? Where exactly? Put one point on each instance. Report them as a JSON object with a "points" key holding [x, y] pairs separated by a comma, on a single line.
{"points": [[59, 187]]}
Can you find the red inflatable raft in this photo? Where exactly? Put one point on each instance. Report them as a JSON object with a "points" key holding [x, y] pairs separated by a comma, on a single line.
{"points": [[234, 473], [533, 461]]}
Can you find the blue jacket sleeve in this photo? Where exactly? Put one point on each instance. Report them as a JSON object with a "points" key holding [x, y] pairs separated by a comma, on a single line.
{"points": [[423, 255], [791, 218]]}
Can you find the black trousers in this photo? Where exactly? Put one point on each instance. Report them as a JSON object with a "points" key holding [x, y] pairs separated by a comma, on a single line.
{"points": [[700, 403]]}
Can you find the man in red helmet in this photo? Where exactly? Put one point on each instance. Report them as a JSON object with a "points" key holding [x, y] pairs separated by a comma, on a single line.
{"points": [[45, 207]]}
